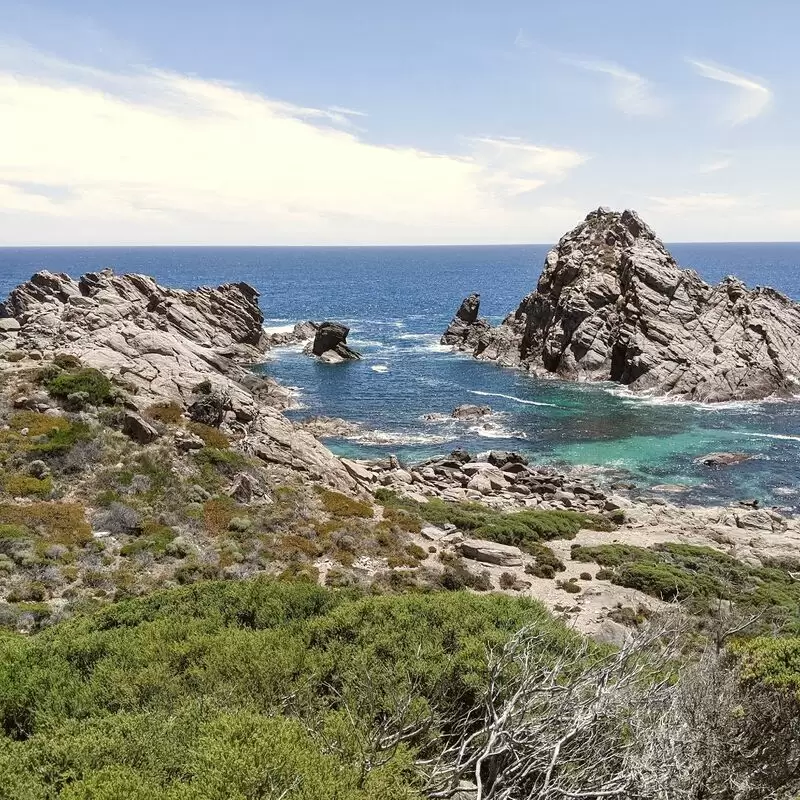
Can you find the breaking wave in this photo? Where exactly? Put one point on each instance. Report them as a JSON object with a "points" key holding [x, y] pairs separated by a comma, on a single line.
{"points": [[514, 399]]}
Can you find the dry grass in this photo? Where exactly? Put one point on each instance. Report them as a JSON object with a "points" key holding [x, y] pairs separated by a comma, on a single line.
{"points": [[57, 523]]}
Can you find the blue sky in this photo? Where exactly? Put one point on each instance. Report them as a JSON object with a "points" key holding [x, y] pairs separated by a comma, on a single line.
{"points": [[351, 122]]}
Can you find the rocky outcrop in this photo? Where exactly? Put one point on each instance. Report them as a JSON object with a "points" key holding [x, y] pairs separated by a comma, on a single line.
{"points": [[470, 412], [612, 305], [503, 555], [466, 329], [330, 344], [723, 459], [193, 347], [302, 332]]}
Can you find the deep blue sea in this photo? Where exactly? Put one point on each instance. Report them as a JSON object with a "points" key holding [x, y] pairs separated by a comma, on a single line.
{"points": [[399, 300]]}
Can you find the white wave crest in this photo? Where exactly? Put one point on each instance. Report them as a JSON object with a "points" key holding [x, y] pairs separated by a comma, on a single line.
{"points": [[645, 398], [514, 399], [397, 438], [270, 329], [781, 436], [421, 336], [494, 431]]}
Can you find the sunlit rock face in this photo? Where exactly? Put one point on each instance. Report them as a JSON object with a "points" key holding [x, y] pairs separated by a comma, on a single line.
{"points": [[612, 305]]}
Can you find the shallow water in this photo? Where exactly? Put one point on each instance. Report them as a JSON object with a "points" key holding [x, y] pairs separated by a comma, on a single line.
{"points": [[399, 300]]}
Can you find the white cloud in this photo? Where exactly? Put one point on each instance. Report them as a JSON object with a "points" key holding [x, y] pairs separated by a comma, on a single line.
{"points": [[511, 166], [715, 166], [703, 201], [751, 98], [631, 93], [88, 156]]}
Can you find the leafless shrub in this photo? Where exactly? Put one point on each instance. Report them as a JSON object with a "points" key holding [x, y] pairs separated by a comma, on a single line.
{"points": [[118, 518], [635, 723]]}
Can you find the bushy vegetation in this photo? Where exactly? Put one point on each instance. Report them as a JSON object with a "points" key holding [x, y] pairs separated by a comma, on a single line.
{"points": [[520, 528], [253, 689], [92, 383], [770, 661], [212, 437], [545, 564], [700, 576], [168, 411], [340, 505]]}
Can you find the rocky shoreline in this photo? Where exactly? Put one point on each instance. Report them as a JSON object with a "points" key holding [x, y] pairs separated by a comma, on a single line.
{"points": [[192, 352]]}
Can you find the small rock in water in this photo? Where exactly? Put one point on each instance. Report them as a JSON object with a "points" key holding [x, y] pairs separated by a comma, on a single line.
{"points": [[471, 412], [330, 344], [722, 459]]}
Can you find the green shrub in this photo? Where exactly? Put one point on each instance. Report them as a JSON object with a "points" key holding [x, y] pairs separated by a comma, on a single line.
{"points": [[154, 539], [54, 523], [611, 555], [508, 580], [169, 412], [67, 361], [223, 461], [770, 661], [20, 485], [456, 576], [213, 437], [546, 562], [340, 505], [92, 382], [28, 591], [520, 528]]}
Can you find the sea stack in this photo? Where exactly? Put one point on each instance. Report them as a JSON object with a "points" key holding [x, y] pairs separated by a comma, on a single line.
{"points": [[613, 305], [330, 344]]}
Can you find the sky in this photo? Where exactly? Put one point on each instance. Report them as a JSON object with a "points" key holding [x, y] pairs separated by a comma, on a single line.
{"points": [[314, 122]]}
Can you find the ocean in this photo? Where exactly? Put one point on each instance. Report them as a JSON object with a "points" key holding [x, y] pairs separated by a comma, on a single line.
{"points": [[397, 302]]}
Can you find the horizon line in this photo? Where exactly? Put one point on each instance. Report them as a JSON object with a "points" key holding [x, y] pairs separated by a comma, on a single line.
{"points": [[353, 246]]}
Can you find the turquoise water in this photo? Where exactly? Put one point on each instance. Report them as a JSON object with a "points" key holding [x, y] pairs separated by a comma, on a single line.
{"points": [[399, 300]]}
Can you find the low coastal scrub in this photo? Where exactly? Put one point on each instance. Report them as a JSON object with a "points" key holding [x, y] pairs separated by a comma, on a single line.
{"points": [[266, 689], [521, 528], [173, 696], [699, 576], [94, 387]]}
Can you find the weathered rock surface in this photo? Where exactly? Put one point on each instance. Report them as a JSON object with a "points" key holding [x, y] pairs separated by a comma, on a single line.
{"points": [[192, 347], [302, 331], [612, 305], [723, 459], [503, 555], [471, 412], [138, 429], [330, 344]]}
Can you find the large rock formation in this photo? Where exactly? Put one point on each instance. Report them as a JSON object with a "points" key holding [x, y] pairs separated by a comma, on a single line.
{"points": [[169, 344], [330, 344], [612, 305]]}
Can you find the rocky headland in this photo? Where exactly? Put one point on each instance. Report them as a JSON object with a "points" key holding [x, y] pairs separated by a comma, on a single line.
{"points": [[194, 348], [613, 305]]}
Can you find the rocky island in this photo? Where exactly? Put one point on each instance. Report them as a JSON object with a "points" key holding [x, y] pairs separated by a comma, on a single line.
{"points": [[612, 305]]}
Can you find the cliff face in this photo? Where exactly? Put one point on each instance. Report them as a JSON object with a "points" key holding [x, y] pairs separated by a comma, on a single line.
{"points": [[612, 305]]}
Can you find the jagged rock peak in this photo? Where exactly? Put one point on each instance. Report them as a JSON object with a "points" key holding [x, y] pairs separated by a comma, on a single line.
{"points": [[613, 305], [205, 315]]}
